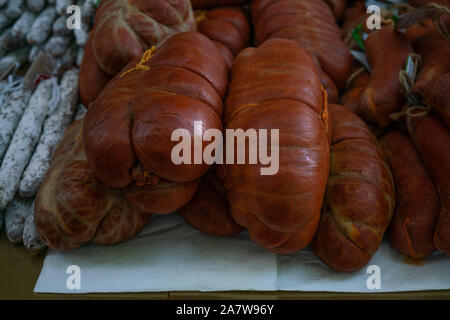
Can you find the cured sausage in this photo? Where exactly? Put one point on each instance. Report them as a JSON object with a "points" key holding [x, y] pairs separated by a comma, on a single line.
{"points": [[208, 210], [72, 207], [359, 200], [387, 51], [432, 139], [417, 199], [128, 128], [281, 211]]}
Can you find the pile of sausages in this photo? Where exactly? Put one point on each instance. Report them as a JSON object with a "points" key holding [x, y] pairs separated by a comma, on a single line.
{"points": [[376, 164], [34, 114], [30, 26]]}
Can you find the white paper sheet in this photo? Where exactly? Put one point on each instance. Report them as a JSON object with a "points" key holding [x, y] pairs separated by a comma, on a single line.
{"points": [[169, 255]]}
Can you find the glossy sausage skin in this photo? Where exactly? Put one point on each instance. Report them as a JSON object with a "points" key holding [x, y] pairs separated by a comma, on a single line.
{"points": [[311, 24], [92, 78], [280, 211], [128, 129], [228, 27], [122, 31], [359, 200], [208, 210], [417, 199]]}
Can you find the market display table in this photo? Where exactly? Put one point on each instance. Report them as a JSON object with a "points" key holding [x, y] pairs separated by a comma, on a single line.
{"points": [[19, 271]]}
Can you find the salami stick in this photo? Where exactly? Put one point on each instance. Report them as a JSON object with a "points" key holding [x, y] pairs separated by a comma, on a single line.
{"points": [[35, 5], [7, 41], [81, 35], [3, 84], [61, 6], [66, 61], [88, 12], [15, 8], [31, 238], [42, 27], [10, 113], [417, 205], [22, 26], [54, 128], [56, 45], [23, 142], [17, 58], [15, 215], [432, 139], [4, 21], [60, 27]]}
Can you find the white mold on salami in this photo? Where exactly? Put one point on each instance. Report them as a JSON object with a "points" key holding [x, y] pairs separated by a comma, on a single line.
{"points": [[88, 12], [35, 5], [54, 128], [56, 45], [24, 141], [42, 27], [67, 60], [31, 238], [59, 27], [7, 41], [22, 26], [3, 84], [10, 114], [79, 58], [5, 21], [17, 58], [15, 8], [81, 35], [15, 214], [61, 6]]}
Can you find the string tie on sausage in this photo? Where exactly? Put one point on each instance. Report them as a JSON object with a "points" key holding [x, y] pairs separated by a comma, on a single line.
{"points": [[141, 65], [201, 16], [352, 77], [410, 112]]}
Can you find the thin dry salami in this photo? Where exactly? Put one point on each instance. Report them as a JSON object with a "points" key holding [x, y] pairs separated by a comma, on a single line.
{"points": [[17, 58], [23, 142], [54, 128], [35, 5], [15, 8], [10, 113], [42, 27], [56, 45], [31, 238], [60, 27], [22, 26], [15, 215]]}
